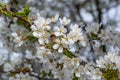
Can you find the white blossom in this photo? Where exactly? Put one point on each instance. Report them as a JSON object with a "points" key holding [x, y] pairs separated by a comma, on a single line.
{"points": [[28, 54], [60, 30], [8, 67], [43, 23], [22, 76], [18, 38], [64, 21], [16, 58], [96, 74], [59, 45], [55, 18]]}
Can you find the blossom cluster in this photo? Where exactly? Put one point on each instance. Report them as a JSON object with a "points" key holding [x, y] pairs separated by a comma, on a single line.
{"points": [[56, 49]]}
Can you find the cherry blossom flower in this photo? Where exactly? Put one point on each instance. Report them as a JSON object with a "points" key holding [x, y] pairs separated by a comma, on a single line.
{"points": [[60, 30], [44, 38], [43, 23], [18, 38], [96, 74], [64, 21], [55, 18], [59, 45], [8, 67]]}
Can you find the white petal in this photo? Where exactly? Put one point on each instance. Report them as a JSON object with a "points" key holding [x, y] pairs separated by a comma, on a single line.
{"points": [[55, 46], [60, 20], [72, 48], [71, 41], [47, 41], [64, 18], [56, 29], [36, 22], [14, 34], [77, 74], [57, 40], [48, 27], [83, 43], [57, 33], [56, 16], [42, 20], [68, 21], [41, 41], [48, 21], [64, 30], [35, 34], [33, 27], [60, 50]]}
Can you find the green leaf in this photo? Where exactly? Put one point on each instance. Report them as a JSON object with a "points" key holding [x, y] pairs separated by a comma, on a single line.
{"points": [[110, 74], [24, 13], [75, 78], [50, 73], [26, 10], [23, 23], [16, 2], [44, 73], [1, 4], [20, 14], [20, 22], [12, 74], [9, 14], [32, 38], [94, 36], [68, 53]]}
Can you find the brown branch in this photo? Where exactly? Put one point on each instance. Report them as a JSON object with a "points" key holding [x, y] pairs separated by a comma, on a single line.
{"points": [[22, 19]]}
